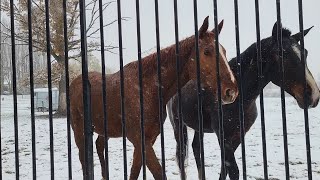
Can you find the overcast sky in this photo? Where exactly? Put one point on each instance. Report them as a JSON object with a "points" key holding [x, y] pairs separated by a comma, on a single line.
{"points": [[289, 13]]}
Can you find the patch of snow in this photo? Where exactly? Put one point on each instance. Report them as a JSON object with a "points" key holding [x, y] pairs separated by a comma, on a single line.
{"points": [[276, 168]]}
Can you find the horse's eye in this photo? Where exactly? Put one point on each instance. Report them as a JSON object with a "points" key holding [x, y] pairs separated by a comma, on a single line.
{"points": [[206, 52]]}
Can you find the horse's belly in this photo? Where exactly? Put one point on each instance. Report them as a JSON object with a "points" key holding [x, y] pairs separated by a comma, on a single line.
{"points": [[114, 128]]}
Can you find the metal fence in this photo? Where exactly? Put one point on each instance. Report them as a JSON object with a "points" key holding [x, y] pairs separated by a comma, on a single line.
{"points": [[87, 110]]}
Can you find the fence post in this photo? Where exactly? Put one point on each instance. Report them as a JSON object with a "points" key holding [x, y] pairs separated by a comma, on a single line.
{"points": [[14, 88], [260, 73], [240, 84], [88, 130], [1, 83], [305, 108], [283, 100], [66, 66]]}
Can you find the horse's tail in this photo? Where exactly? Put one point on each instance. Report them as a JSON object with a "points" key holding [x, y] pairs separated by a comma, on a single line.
{"points": [[170, 112], [173, 116]]}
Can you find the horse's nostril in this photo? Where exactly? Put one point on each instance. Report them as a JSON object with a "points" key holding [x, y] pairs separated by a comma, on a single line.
{"points": [[230, 93]]}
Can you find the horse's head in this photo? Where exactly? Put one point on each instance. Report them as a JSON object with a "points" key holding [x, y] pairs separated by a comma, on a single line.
{"points": [[207, 54], [293, 68]]}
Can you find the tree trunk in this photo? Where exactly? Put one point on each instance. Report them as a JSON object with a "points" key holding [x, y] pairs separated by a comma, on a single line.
{"points": [[62, 107], [1, 75]]}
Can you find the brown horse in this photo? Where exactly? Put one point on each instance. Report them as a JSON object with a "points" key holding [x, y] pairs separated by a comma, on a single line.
{"points": [[151, 111]]}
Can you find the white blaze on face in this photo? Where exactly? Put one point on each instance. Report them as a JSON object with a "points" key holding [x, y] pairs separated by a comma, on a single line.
{"points": [[312, 83], [310, 80], [224, 60], [296, 50]]}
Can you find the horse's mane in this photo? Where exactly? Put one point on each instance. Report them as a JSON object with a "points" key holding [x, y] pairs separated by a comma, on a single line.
{"points": [[149, 63], [286, 32], [250, 53], [246, 57]]}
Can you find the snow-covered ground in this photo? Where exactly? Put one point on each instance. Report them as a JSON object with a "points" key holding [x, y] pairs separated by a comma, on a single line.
{"points": [[296, 138]]}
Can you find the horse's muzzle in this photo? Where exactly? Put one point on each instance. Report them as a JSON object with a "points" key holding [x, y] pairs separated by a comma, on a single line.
{"points": [[311, 103], [315, 103]]}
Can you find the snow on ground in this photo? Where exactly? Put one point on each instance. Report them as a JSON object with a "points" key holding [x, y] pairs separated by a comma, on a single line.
{"points": [[276, 168]]}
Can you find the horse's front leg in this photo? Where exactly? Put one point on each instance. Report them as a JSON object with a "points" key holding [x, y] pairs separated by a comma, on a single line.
{"points": [[223, 169], [151, 158], [231, 163], [196, 152], [100, 150], [231, 167], [136, 164]]}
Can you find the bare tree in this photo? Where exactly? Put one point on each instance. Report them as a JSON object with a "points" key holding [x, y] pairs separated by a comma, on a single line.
{"points": [[56, 29], [1, 61], [6, 69], [22, 63], [40, 74]]}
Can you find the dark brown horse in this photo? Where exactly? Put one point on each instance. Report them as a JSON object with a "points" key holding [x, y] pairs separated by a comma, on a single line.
{"points": [[293, 84], [151, 112]]}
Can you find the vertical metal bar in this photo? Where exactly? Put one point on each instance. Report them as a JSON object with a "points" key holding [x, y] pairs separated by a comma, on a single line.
{"points": [[104, 92], [283, 101], [144, 170], [239, 69], [260, 74], [160, 96], [306, 114], [48, 39], [14, 82], [88, 130], [1, 74], [220, 111], [176, 23], [66, 69], [199, 89], [33, 136], [123, 120]]}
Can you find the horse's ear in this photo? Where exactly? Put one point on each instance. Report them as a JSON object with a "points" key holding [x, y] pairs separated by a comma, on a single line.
{"points": [[220, 25], [298, 35], [275, 30], [203, 29]]}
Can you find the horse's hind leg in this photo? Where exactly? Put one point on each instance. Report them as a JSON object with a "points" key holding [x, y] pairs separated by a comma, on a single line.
{"points": [[79, 139], [100, 150], [196, 152]]}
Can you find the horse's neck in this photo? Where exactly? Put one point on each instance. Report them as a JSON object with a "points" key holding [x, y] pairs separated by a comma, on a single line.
{"points": [[170, 81], [169, 71], [251, 82]]}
